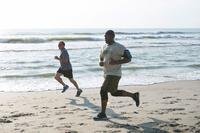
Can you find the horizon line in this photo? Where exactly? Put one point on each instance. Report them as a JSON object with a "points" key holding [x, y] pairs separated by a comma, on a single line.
{"points": [[97, 28]]}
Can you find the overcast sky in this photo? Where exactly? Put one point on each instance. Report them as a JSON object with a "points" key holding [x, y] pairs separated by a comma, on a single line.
{"points": [[20, 14]]}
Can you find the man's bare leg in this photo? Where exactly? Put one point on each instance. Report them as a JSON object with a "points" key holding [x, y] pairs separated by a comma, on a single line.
{"points": [[79, 91], [103, 105], [74, 83], [59, 79], [123, 93]]}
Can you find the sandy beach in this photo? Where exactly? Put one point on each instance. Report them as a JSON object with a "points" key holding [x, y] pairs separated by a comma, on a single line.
{"points": [[165, 107]]}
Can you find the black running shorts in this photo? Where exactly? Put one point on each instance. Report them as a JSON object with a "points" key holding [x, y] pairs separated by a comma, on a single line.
{"points": [[66, 73]]}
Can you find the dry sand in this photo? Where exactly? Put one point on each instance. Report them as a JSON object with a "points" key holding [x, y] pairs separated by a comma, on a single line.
{"points": [[165, 107]]}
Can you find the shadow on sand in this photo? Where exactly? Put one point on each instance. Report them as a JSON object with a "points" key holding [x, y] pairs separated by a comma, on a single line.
{"points": [[149, 127], [93, 107]]}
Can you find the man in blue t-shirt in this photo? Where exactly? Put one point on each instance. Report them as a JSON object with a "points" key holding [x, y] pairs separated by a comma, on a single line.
{"points": [[65, 69]]}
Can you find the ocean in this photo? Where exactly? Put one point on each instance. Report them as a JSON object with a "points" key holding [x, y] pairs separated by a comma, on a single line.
{"points": [[27, 57]]}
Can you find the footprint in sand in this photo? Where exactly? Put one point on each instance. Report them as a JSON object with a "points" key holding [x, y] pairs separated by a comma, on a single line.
{"points": [[173, 102], [22, 131], [108, 131], [173, 109], [61, 113], [192, 99], [44, 126], [95, 107], [125, 118], [175, 127], [81, 124], [61, 118], [93, 99], [175, 119], [60, 107], [19, 115], [166, 111], [22, 124], [181, 113], [123, 113], [197, 117], [83, 115], [42, 112], [70, 131], [170, 102], [16, 129], [35, 107], [167, 97], [177, 130], [130, 104], [127, 126], [135, 112], [65, 125], [68, 113], [5, 121], [45, 107], [152, 112], [13, 112], [78, 109], [163, 125], [173, 124], [192, 112], [198, 124]]}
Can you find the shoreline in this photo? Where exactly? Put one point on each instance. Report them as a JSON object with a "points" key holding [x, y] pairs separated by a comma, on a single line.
{"points": [[133, 85]]}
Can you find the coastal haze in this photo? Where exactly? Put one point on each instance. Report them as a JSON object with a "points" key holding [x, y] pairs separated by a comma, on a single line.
{"points": [[34, 14], [159, 55]]}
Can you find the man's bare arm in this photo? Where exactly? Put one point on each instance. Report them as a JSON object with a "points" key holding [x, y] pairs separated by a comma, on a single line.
{"points": [[61, 60], [127, 58], [117, 62]]}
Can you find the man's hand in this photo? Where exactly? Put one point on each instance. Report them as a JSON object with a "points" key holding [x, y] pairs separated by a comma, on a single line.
{"points": [[57, 58], [112, 62], [101, 63]]}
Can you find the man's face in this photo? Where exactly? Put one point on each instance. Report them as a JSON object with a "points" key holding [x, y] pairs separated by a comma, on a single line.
{"points": [[108, 38], [60, 46]]}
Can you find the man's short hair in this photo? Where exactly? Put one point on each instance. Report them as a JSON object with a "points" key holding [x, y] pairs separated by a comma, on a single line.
{"points": [[111, 33], [62, 42]]}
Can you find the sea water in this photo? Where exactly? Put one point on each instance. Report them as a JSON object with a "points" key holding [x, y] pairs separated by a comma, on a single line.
{"points": [[27, 57]]}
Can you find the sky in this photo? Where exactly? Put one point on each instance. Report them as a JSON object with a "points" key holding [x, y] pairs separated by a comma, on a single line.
{"points": [[33, 14]]}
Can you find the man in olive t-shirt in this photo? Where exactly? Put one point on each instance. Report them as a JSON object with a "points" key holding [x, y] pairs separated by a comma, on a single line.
{"points": [[112, 56]]}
